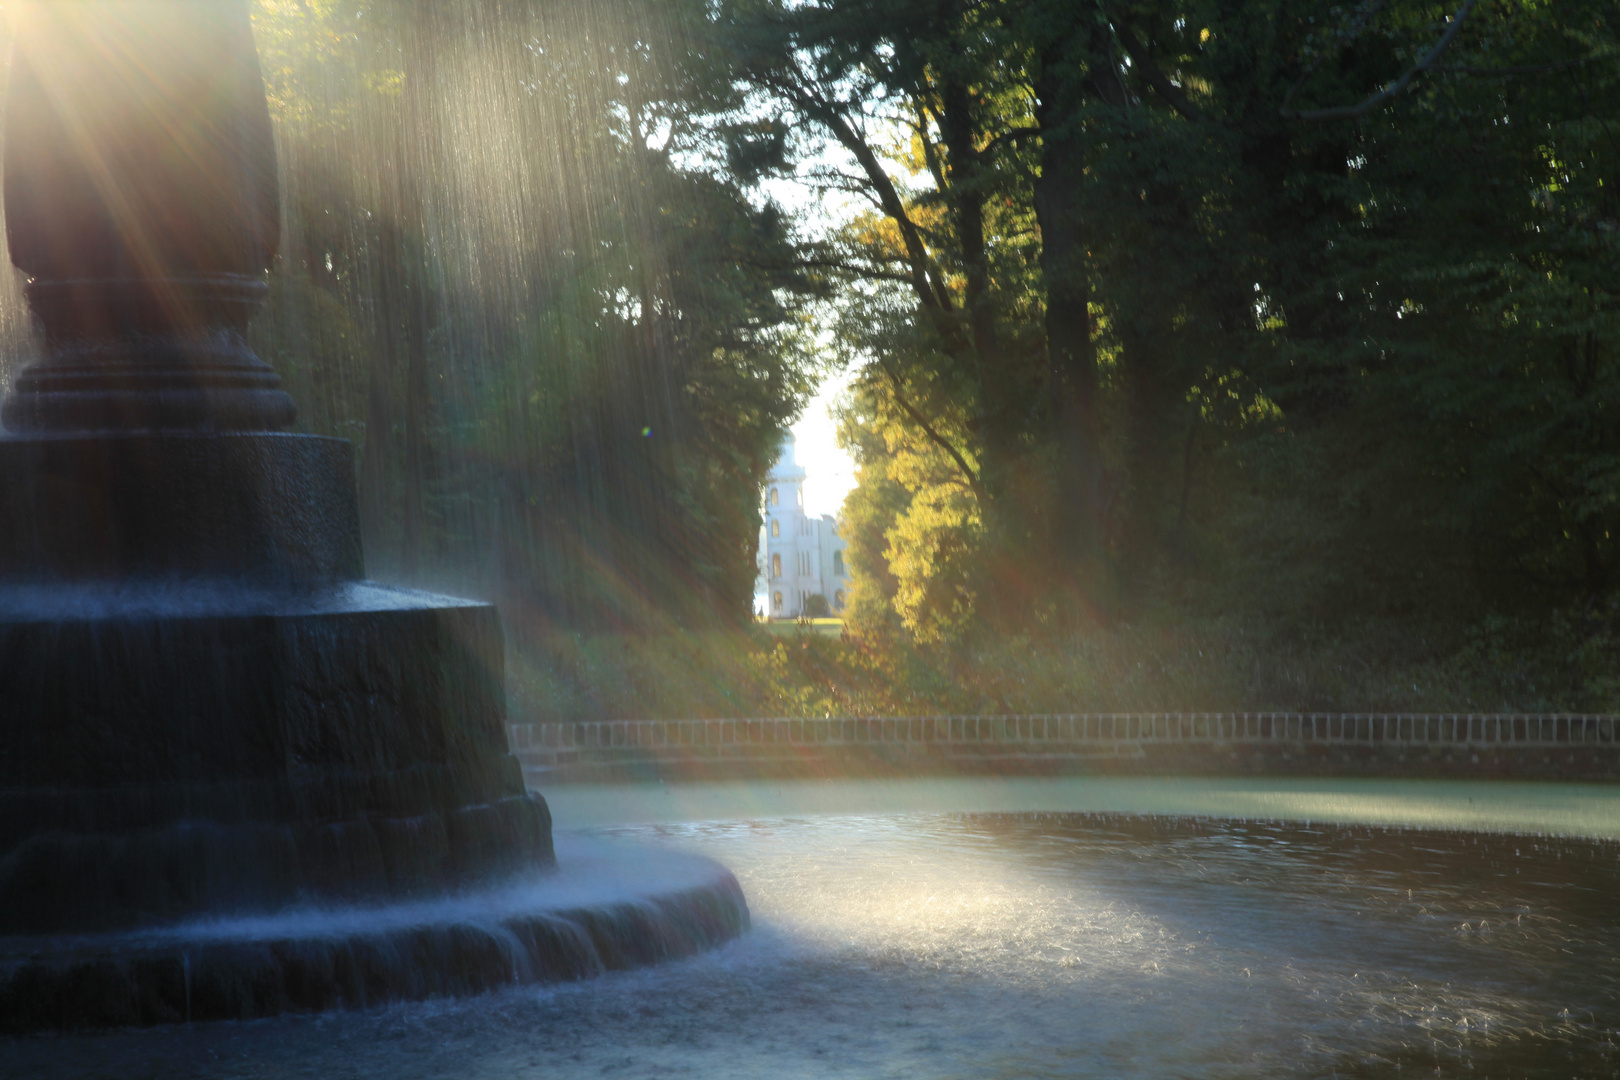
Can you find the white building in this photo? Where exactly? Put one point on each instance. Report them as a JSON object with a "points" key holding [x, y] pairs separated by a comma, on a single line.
{"points": [[804, 556]]}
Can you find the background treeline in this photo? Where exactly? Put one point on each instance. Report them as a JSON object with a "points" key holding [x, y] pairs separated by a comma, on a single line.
{"points": [[1284, 322], [1208, 353], [1276, 307]]}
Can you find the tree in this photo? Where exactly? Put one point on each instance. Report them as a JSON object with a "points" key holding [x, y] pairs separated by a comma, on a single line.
{"points": [[1192, 301]]}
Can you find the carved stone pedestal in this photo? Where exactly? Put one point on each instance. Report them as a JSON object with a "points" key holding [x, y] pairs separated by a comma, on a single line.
{"points": [[206, 709]]}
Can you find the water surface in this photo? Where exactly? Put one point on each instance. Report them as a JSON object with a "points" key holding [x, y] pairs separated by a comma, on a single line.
{"points": [[922, 942]]}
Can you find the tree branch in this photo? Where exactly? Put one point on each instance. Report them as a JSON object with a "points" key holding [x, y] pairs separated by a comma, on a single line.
{"points": [[1368, 10], [873, 272], [930, 152], [1173, 95], [1340, 112], [934, 436], [1011, 135], [930, 292]]}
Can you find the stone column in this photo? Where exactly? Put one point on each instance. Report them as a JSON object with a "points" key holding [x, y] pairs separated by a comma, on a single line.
{"points": [[141, 200]]}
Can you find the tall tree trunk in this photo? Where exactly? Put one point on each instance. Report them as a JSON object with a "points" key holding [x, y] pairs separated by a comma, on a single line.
{"points": [[960, 127], [1156, 422], [1011, 509], [1076, 529]]}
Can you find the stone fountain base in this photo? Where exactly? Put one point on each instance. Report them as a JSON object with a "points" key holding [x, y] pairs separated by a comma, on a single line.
{"points": [[309, 960], [206, 710], [237, 779], [167, 751]]}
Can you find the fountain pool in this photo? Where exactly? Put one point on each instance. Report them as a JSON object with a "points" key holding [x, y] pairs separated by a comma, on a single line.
{"points": [[997, 939]]}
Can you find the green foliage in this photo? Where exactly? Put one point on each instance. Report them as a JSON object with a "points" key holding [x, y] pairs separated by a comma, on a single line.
{"points": [[933, 551], [1231, 310], [1162, 663]]}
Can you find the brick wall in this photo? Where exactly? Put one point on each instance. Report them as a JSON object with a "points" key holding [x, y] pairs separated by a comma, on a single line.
{"points": [[1496, 744]]}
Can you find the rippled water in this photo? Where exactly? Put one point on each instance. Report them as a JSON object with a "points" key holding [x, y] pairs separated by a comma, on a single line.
{"points": [[1017, 945]]}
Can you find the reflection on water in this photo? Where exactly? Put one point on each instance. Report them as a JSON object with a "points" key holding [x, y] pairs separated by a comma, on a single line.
{"points": [[926, 944]]}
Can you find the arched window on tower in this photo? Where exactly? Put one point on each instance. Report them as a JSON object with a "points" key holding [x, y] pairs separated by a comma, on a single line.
{"points": [[775, 497], [776, 569], [776, 528], [838, 563], [776, 601], [798, 496]]}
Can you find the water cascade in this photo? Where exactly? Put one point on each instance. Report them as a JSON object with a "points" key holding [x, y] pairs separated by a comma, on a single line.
{"points": [[207, 712]]}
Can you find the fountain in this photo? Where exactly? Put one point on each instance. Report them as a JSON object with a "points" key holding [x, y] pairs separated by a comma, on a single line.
{"points": [[206, 712], [936, 941]]}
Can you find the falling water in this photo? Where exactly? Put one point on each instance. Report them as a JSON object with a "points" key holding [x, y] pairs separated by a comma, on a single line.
{"points": [[600, 912], [484, 287]]}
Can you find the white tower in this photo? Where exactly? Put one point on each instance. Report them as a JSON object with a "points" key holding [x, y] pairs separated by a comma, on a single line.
{"points": [[792, 572], [803, 555]]}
